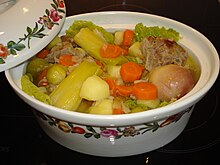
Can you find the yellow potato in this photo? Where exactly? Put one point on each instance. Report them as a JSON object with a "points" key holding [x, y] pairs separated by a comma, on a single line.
{"points": [[94, 88]]}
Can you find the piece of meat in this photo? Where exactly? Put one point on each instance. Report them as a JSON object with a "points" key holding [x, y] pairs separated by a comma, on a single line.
{"points": [[159, 51], [64, 48]]}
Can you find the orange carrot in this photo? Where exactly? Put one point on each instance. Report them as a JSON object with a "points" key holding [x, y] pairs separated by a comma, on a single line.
{"points": [[124, 90], [66, 60], [112, 51], [128, 37], [117, 111], [43, 53], [131, 71], [145, 91], [112, 85], [100, 63], [41, 76]]}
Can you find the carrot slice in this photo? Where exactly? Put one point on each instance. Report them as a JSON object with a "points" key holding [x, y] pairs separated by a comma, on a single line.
{"points": [[112, 51], [145, 91], [100, 63], [128, 37], [41, 76], [124, 90], [131, 71], [112, 86], [66, 60], [43, 53], [117, 111]]}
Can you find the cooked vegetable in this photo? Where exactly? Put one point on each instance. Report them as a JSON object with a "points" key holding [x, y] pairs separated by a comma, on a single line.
{"points": [[35, 66], [91, 70], [142, 31], [124, 90], [172, 81], [67, 93], [94, 88], [113, 71], [112, 51], [43, 53], [145, 91], [32, 90], [55, 40], [41, 78], [55, 74], [67, 60], [149, 103], [117, 111], [93, 46], [128, 37], [134, 49], [118, 37], [103, 107], [112, 86], [100, 31], [131, 71]]}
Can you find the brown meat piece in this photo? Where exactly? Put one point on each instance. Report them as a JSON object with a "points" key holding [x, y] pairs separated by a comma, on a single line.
{"points": [[160, 51]]}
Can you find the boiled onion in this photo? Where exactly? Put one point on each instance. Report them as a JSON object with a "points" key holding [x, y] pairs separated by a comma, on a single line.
{"points": [[172, 81]]}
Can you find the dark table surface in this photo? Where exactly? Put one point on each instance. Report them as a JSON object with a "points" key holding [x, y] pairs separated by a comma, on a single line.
{"points": [[23, 142]]}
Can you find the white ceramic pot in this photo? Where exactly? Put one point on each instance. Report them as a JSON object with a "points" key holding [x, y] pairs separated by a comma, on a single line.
{"points": [[129, 134]]}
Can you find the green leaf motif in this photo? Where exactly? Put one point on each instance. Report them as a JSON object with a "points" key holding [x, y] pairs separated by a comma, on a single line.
{"points": [[35, 28], [118, 136], [51, 123], [29, 30], [89, 128], [10, 44], [13, 52], [39, 35], [41, 29], [88, 135], [97, 136], [61, 10], [70, 124], [55, 4], [2, 61], [47, 12], [19, 47]]}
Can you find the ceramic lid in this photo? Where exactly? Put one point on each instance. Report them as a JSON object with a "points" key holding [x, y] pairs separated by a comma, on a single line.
{"points": [[27, 27]]}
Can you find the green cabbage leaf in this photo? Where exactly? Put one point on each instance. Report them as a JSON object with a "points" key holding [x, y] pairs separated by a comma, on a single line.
{"points": [[32, 90], [142, 31], [100, 31]]}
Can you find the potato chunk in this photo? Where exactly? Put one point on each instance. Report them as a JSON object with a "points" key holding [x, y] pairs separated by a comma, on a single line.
{"points": [[94, 88], [102, 107]]}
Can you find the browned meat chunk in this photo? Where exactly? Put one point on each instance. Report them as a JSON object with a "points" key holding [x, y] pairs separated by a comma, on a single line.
{"points": [[160, 51]]}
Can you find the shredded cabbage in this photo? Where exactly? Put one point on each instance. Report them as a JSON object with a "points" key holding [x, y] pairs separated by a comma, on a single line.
{"points": [[142, 31], [32, 90]]}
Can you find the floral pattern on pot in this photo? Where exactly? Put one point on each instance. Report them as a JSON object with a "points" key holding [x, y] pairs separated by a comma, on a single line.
{"points": [[47, 21], [117, 133]]}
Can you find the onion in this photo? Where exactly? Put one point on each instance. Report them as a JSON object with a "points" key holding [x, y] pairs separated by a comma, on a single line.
{"points": [[172, 81]]}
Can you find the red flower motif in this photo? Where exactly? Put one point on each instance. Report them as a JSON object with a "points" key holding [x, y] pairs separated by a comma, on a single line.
{"points": [[78, 130], [3, 51], [60, 3], [109, 132], [54, 15]]}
